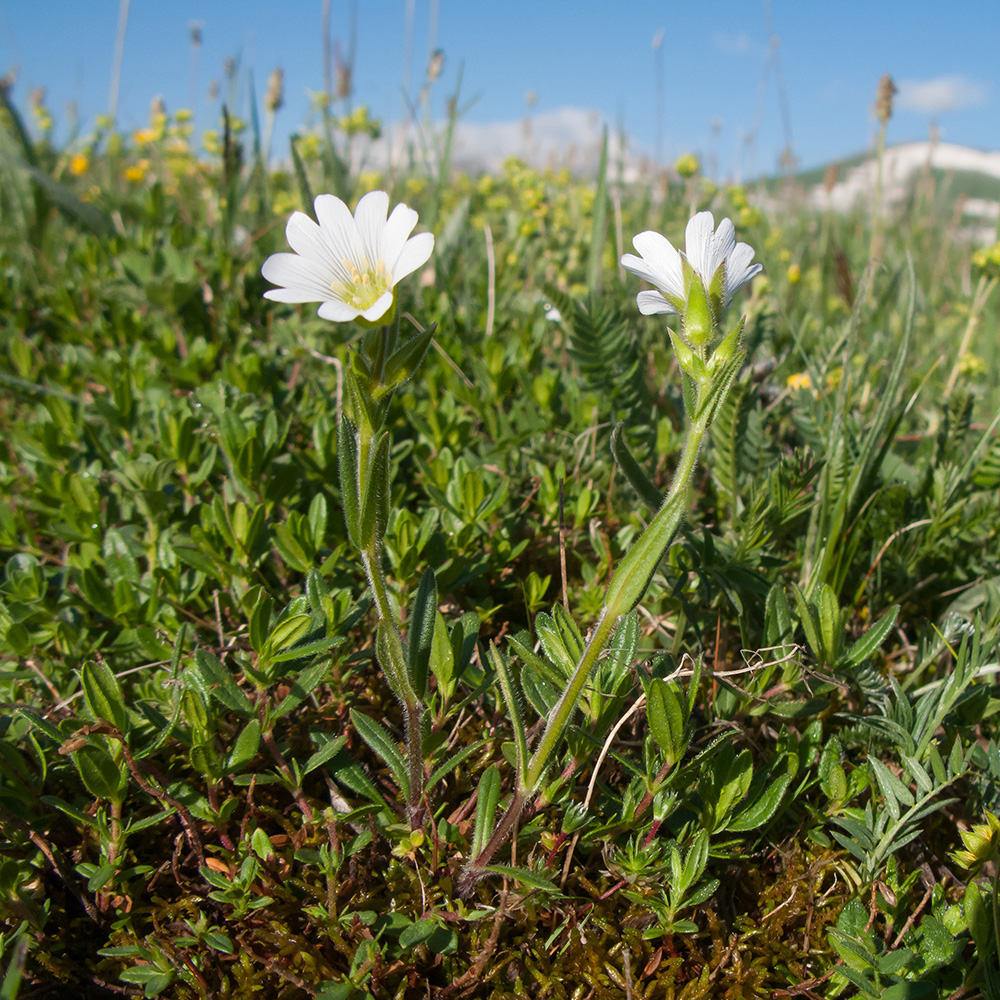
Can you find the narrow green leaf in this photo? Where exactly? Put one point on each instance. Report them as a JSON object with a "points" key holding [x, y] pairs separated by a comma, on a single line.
{"points": [[119, 561], [873, 637], [420, 631], [221, 684], [524, 875], [375, 506], [449, 765], [637, 479], [301, 177], [598, 230], [764, 808], [511, 697], [101, 776], [347, 461], [317, 520], [380, 740], [486, 808], [246, 746], [302, 687], [103, 694], [308, 649], [286, 633], [260, 621], [666, 713], [442, 657], [327, 752], [405, 361], [15, 969]]}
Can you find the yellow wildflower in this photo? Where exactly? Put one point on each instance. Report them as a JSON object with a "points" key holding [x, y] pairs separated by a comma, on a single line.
{"points": [[980, 844], [78, 164], [687, 165], [800, 380], [794, 274], [137, 172]]}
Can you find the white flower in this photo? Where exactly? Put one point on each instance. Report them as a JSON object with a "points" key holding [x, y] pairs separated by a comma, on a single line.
{"points": [[351, 264], [706, 251]]}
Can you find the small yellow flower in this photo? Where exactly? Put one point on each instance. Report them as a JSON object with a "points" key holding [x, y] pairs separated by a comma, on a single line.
{"points": [[980, 844], [414, 186], [137, 172], [800, 380], [78, 164], [971, 364], [794, 274], [143, 136], [687, 165], [987, 259]]}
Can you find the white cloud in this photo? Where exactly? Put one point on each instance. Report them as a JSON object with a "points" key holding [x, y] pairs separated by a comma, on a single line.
{"points": [[565, 136], [944, 93]]}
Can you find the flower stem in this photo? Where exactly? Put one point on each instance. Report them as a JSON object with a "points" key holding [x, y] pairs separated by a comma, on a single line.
{"points": [[626, 590], [398, 675]]}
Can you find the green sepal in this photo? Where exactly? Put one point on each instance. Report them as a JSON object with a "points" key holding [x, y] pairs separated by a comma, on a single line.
{"points": [[727, 347], [721, 382], [690, 363], [698, 324], [347, 460], [717, 293]]}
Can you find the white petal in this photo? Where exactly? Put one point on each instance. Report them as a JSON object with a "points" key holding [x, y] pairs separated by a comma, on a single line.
{"points": [[395, 233], [653, 303], [379, 308], [305, 238], [660, 264], [337, 311], [369, 217], [739, 269], [722, 246], [698, 243], [416, 253], [340, 231], [300, 276]]}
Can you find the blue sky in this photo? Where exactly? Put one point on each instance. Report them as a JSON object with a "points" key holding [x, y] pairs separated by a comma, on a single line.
{"points": [[575, 55]]}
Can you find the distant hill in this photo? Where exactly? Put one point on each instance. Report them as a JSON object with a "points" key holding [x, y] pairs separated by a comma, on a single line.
{"points": [[956, 171]]}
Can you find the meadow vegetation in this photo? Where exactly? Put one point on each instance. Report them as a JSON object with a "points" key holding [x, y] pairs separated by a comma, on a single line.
{"points": [[780, 774]]}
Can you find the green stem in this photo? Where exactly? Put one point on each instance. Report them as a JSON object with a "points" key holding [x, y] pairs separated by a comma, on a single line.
{"points": [[626, 590], [983, 291], [996, 907], [396, 669], [398, 675]]}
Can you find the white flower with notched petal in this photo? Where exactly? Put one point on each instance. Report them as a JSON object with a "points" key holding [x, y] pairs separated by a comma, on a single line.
{"points": [[723, 265], [350, 264]]}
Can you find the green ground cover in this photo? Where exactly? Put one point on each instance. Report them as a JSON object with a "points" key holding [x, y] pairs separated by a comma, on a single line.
{"points": [[205, 787]]}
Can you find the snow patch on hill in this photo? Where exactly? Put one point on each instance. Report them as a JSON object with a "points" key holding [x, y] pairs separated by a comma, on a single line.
{"points": [[901, 165]]}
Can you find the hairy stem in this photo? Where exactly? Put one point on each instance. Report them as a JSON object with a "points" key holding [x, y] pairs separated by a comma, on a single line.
{"points": [[626, 590]]}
